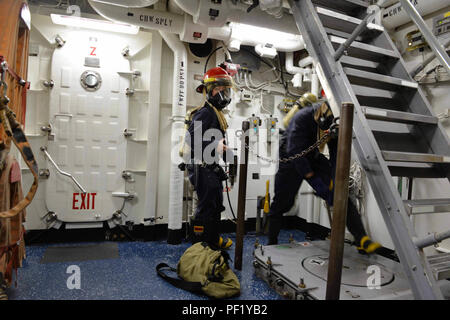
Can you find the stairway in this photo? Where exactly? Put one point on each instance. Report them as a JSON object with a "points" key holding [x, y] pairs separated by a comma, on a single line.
{"points": [[394, 131]]}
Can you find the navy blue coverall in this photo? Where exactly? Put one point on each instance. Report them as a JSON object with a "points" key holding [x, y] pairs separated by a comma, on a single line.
{"points": [[205, 178], [300, 134]]}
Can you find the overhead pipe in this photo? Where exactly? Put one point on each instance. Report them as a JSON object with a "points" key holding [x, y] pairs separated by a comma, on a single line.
{"points": [[395, 16], [229, 12], [179, 96], [178, 24], [289, 64], [188, 6], [130, 3], [235, 35], [142, 17], [385, 3], [315, 84], [272, 7], [305, 62]]}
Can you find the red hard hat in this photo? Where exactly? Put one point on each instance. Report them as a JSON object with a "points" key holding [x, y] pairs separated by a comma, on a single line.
{"points": [[215, 77]]}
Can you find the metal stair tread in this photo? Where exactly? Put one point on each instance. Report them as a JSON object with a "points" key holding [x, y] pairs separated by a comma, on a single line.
{"points": [[383, 80], [361, 63], [420, 206], [440, 265], [364, 50], [414, 157], [397, 116], [337, 20], [414, 170], [343, 5]]}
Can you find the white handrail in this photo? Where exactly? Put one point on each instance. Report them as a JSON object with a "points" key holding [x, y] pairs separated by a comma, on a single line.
{"points": [[44, 149]]}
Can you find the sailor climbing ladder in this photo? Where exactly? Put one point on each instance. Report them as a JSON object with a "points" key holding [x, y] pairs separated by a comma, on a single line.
{"points": [[357, 62]]}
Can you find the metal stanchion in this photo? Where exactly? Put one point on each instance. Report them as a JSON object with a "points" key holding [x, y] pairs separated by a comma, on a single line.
{"points": [[340, 202], [241, 196]]}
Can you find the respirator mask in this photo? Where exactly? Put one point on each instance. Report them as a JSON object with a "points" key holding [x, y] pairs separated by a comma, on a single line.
{"points": [[221, 99]]}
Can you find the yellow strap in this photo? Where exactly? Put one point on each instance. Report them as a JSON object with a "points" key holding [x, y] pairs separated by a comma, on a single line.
{"points": [[266, 200], [220, 116]]}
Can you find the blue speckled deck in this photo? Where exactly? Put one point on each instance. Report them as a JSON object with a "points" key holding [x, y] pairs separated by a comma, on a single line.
{"points": [[132, 276]]}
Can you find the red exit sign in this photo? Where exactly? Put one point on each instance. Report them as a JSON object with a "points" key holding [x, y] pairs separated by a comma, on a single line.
{"points": [[83, 201]]}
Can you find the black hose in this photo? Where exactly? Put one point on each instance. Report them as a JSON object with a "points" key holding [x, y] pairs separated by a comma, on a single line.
{"points": [[126, 233], [209, 56], [229, 201], [282, 78], [285, 84], [264, 61]]}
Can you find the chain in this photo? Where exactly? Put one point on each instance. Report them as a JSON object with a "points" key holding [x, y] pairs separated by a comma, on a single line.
{"points": [[295, 156]]}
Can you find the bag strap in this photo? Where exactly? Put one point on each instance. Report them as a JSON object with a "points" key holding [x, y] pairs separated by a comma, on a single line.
{"points": [[14, 131], [177, 282]]}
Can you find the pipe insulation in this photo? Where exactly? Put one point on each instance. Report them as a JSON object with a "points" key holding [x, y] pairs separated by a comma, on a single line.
{"points": [[238, 34], [305, 62], [395, 16], [179, 96], [142, 17], [153, 116], [289, 64], [235, 12], [130, 3], [315, 84]]}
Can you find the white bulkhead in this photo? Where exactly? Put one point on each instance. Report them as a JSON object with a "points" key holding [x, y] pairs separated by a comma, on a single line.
{"points": [[103, 106]]}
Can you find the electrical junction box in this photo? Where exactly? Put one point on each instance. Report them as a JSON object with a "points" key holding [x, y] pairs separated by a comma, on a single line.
{"points": [[266, 51], [255, 122], [441, 24], [246, 95], [286, 105], [271, 125]]}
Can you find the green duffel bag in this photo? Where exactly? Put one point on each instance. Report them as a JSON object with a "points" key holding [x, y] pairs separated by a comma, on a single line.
{"points": [[204, 270]]}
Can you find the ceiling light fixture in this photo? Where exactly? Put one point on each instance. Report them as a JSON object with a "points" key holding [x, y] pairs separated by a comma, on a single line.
{"points": [[103, 25]]}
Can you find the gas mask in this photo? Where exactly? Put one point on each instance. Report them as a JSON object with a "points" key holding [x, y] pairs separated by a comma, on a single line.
{"points": [[324, 116], [221, 99]]}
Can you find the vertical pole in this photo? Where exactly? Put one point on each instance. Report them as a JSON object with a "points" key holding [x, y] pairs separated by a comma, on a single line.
{"points": [[259, 201], [241, 196], [340, 202]]}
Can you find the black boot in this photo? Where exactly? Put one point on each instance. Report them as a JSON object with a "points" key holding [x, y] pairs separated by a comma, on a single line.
{"points": [[274, 230], [197, 231], [212, 234], [3, 295]]}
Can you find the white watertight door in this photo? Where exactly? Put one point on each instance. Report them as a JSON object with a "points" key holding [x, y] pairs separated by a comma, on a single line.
{"points": [[88, 123]]}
